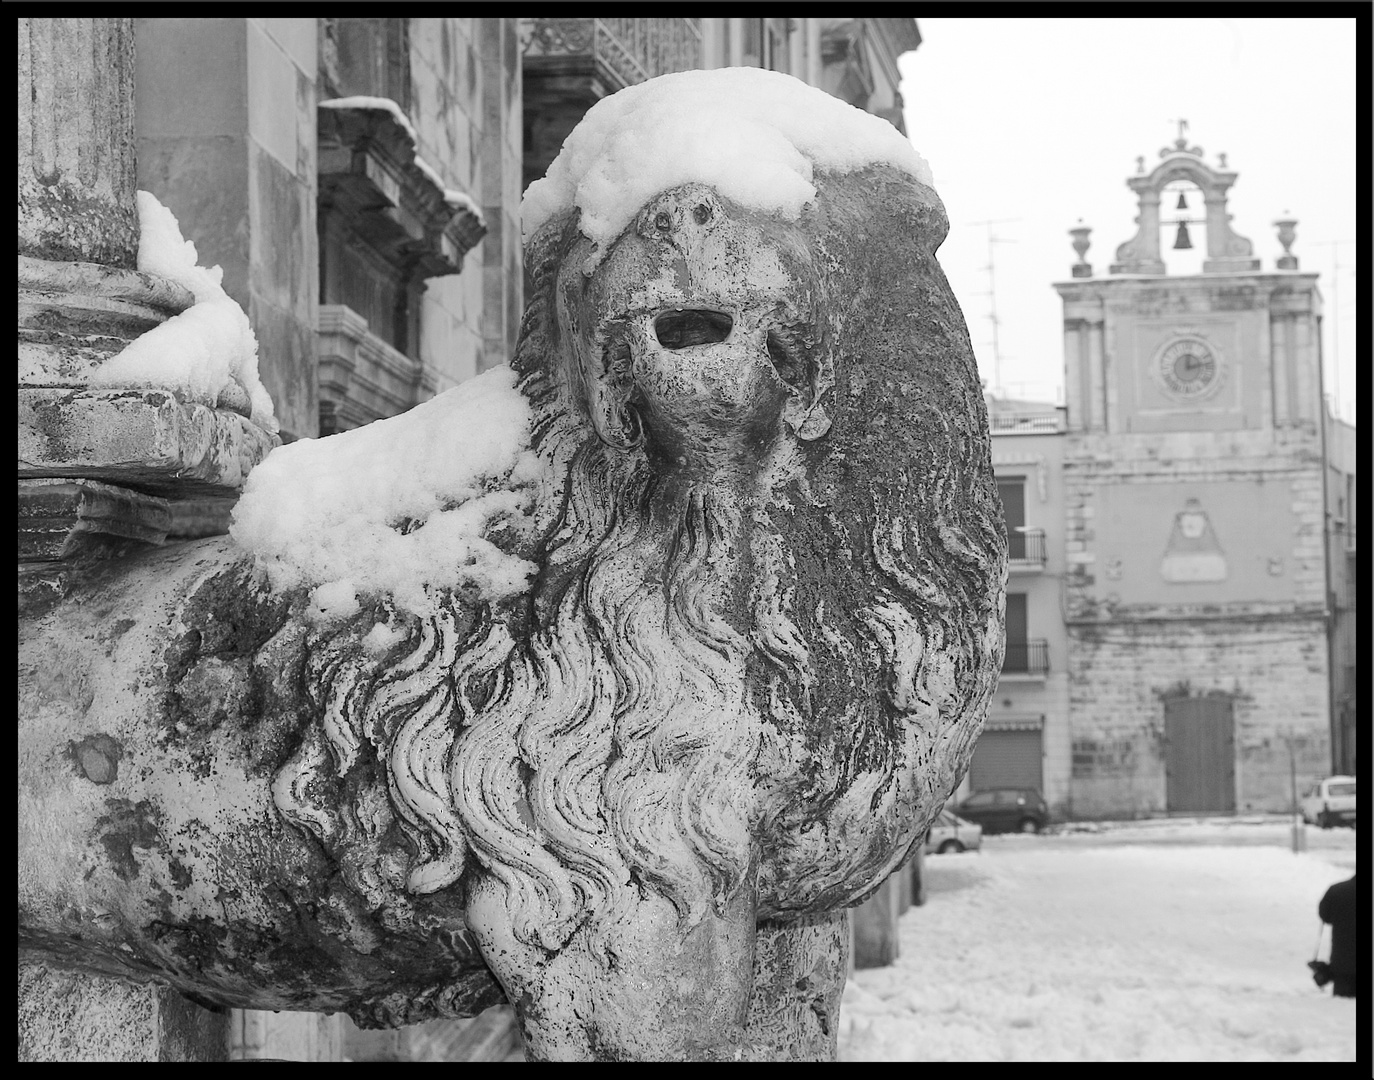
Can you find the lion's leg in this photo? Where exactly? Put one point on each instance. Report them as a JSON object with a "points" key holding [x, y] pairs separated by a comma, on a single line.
{"points": [[799, 977], [644, 989]]}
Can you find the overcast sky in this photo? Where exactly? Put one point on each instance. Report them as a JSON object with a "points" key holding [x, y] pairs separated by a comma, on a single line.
{"points": [[1041, 121]]}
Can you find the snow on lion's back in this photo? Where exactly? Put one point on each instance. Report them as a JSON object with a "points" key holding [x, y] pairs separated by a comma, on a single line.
{"points": [[754, 135]]}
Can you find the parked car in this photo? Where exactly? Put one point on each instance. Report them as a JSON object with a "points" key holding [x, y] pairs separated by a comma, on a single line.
{"points": [[1006, 810], [949, 832], [1330, 802]]}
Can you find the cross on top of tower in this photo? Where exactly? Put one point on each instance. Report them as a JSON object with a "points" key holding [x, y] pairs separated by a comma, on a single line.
{"points": [[1181, 143]]}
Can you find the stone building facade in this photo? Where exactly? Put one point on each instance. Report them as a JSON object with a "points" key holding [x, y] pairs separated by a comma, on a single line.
{"points": [[359, 182], [1026, 743], [344, 172], [1196, 595]]}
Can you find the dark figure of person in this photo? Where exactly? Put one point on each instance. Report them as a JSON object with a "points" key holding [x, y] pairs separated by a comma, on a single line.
{"points": [[1337, 907]]}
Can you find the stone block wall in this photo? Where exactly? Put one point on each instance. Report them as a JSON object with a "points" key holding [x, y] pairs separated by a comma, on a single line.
{"points": [[225, 118], [465, 106], [446, 109], [1273, 669]]}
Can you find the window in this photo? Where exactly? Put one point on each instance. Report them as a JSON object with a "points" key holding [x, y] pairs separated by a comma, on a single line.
{"points": [[1013, 495], [1018, 658]]}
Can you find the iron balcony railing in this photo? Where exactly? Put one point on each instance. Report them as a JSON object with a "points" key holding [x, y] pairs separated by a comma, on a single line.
{"points": [[623, 51], [1007, 423], [1026, 548], [1027, 658]]}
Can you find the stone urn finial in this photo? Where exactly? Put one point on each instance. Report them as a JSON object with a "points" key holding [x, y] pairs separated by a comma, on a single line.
{"points": [[1082, 268], [1287, 234]]}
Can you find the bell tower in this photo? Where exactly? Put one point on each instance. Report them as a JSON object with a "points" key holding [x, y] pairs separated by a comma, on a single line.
{"points": [[1195, 592], [1226, 251]]}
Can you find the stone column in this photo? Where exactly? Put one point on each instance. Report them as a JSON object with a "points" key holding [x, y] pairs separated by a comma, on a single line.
{"points": [[80, 300], [89, 461], [876, 931], [76, 140]]}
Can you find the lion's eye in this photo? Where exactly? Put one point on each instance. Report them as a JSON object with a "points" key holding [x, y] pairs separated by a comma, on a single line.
{"points": [[662, 221]]}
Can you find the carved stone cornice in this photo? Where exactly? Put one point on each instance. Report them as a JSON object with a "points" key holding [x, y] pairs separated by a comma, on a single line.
{"points": [[369, 172]]}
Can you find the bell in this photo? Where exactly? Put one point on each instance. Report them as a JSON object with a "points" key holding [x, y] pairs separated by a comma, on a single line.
{"points": [[1182, 202], [1181, 242]]}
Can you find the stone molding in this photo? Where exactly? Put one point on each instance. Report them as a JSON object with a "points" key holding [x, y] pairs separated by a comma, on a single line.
{"points": [[369, 173], [73, 316], [55, 514], [140, 438]]}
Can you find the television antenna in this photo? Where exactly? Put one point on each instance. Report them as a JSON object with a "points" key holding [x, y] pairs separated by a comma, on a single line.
{"points": [[991, 294], [1334, 245]]}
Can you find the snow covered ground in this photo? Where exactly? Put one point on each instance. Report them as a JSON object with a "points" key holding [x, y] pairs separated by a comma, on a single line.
{"points": [[1158, 941]]}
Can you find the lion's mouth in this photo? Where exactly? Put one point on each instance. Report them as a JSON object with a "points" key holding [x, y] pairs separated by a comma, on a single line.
{"points": [[683, 329]]}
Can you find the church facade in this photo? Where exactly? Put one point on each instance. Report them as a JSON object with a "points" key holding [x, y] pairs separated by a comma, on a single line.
{"points": [[1198, 582]]}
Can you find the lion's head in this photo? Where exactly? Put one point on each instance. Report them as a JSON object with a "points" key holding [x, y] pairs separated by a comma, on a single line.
{"points": [[768, 620]]}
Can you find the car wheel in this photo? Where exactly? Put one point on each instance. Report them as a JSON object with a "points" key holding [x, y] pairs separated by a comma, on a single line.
{"points": [[1324, 820], [1029, 825], [951, 846]]}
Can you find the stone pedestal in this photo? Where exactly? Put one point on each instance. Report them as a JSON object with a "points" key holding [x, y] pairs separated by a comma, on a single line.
{"points": [[69, 1017], [876, 925], [98, 468]]}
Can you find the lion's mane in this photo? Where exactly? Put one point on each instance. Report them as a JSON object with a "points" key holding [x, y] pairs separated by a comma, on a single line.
{"points": [[633, 720]]}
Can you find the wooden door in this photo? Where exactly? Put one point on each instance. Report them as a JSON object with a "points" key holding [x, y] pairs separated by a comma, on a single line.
{"points": [[1200, 755]]}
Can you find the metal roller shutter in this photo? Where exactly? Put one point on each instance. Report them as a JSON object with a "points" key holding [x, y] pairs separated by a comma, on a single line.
{"points": [[1008, 757]]}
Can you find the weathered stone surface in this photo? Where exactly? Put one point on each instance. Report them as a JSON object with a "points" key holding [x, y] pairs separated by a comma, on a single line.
{"points": [[74, 315], [76, 134], [56, 515], [634, 802], [139, 438], [67, 1016]]}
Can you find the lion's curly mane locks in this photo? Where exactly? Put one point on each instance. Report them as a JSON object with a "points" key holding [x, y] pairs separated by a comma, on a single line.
{"points": [[703, 686]]}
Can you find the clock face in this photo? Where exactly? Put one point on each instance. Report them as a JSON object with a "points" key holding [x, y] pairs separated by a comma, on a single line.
{"points": [[1188, 367]]}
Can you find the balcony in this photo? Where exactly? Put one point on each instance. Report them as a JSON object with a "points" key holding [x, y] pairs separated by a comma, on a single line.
{"points": [[570, 64], [1026, 660], [1025, 550], [1014, 423]]}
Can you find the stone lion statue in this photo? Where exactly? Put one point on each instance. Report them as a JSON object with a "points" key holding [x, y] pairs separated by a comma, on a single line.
{"points": [[631, 796]]}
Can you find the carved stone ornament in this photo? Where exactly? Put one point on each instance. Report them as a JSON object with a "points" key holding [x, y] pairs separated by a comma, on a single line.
{"points": [[633, 799]]}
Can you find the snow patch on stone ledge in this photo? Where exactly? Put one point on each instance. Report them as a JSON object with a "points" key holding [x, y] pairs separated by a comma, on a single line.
{"points": [[399, 506], [362, 102], [452, 196], [754, 135], [205, 354]]}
